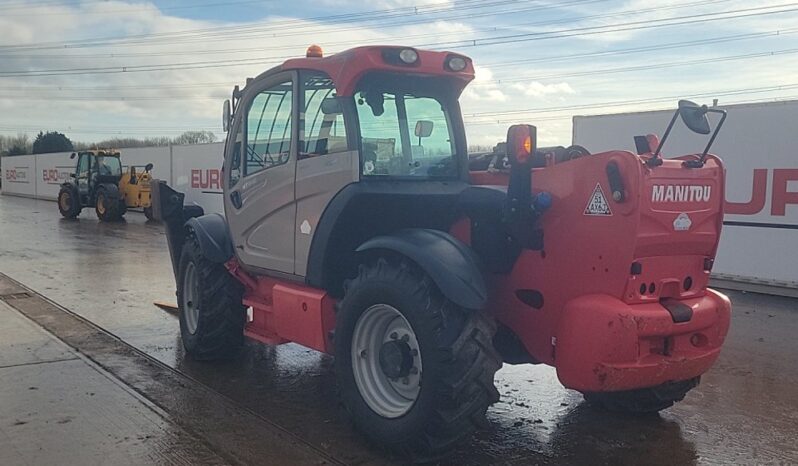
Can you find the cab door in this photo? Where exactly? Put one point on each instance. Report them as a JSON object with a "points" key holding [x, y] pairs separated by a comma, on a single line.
{"points": [[260, 166], [82, 176]]}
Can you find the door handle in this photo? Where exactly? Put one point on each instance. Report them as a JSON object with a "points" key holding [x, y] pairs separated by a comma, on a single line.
{"points": [[235, 199]]}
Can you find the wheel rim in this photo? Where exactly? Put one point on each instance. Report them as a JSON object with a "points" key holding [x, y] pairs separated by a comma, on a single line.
{"points": [[386, 361], [191, 298], [65, 201], [101, 203]]}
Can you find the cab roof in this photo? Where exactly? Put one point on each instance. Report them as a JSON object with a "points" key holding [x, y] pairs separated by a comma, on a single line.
{"points": [[98, 152], [347, 67]]}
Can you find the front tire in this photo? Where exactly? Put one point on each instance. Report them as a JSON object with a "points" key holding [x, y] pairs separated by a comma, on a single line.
{"points": [[68, 203], [212, 315], [108, 207], [643, 400], [148, 213], [414, 370]]}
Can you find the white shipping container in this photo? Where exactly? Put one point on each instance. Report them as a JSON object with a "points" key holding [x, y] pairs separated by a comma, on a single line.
{"points": [[760, 236]]}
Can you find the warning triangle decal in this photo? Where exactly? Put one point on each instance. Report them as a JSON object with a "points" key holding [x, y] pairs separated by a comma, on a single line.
{"points": [[598, 205]]}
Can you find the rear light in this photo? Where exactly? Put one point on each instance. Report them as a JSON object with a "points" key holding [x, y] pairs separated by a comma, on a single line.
{"points": [[455, 63], [521, 143]]}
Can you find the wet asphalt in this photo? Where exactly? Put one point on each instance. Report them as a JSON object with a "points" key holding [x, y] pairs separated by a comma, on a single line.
{"points": [[745, 411]]}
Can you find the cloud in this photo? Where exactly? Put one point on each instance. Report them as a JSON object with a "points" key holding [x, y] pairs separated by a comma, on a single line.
{"points": [[538, 89], [483, 89], [155, 102]]}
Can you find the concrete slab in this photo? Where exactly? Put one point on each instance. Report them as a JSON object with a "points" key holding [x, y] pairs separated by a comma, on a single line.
{"points": [[58, 408], [22, 342]]}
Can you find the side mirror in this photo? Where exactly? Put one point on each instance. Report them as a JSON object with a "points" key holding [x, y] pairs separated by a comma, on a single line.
{"points": [[331, 106], [694, 116], [424, 128], [521, 143], [148, 167], [226, 113], [72, 155]]}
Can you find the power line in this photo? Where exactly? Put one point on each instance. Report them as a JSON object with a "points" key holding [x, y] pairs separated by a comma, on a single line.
{"points": [[749, 12], [122, 11], [328, 30], [279, 25], [626, 51], [630, 26], [656, 66]]}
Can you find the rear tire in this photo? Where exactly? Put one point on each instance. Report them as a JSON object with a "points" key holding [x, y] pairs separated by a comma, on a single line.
{"points": [[644, 400], [212, 315], [68, 203], [454, 359], [109, 208]]}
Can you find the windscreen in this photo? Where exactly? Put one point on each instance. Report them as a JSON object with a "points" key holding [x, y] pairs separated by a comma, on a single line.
{"points": [[406, 129], [109, 166]]}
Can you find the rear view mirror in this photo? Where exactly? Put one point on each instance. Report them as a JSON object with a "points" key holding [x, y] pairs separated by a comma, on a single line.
{"points": [[148, 167], [694, 116], [72, 155], [424, 128], [226, 113], [331, 106]]}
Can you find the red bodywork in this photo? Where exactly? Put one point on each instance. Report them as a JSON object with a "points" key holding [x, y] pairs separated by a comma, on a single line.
{"points": [[595, 325], [346, 68], [598, 325]]}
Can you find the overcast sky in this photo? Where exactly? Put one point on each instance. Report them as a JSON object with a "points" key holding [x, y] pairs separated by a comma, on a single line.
{"points": [[97, 69]]}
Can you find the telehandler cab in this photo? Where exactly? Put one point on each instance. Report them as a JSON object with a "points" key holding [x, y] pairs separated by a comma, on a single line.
{"points": [[98, 181], [353, 226]]}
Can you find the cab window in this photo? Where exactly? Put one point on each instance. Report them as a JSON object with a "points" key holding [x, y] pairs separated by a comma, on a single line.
{"points": [[321, 129], [405, 128], [269, 134], [83, 166]]}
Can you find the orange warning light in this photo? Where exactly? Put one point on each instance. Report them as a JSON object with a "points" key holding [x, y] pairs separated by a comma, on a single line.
{"points": [[314, 51]]}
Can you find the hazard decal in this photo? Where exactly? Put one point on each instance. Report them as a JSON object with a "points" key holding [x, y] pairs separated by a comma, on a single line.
{"points": [[598, 205]]}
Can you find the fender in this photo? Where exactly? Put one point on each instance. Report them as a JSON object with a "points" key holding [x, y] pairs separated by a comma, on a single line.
{"points": [[213, 236], [451, 264]]}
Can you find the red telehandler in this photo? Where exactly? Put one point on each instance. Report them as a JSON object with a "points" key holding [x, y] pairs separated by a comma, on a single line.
{"points": [[354, 226]]}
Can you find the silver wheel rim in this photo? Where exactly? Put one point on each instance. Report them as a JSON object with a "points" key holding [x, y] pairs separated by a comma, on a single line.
{"points": [[386, 396], [190, 298]]}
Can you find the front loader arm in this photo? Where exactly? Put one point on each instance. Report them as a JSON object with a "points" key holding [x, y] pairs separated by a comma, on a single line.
{"points": [[168, 208]]}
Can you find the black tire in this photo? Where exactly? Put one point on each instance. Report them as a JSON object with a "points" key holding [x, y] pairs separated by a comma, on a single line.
{"points": [[148, 213], [459, 362], [644, 400], [68, 202], [219, 328], [109, 207]]}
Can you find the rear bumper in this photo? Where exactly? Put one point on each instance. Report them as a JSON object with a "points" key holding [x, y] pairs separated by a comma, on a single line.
{"points": [[604, 344]]}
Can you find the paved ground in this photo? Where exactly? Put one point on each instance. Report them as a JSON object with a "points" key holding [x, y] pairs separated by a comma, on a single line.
{"points": [[56, 407], [745, 411]]}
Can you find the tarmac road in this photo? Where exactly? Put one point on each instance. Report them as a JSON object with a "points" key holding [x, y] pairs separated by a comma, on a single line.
{"points": [[745, 411]]}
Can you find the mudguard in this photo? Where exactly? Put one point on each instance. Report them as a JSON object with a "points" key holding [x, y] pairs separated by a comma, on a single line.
{"points": [[213, 236], [450, 263]]}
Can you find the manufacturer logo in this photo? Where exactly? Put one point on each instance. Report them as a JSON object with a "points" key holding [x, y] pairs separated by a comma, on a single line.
{"points": [[682, 222], [597, 204], [305, 228], [680, 193]]}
